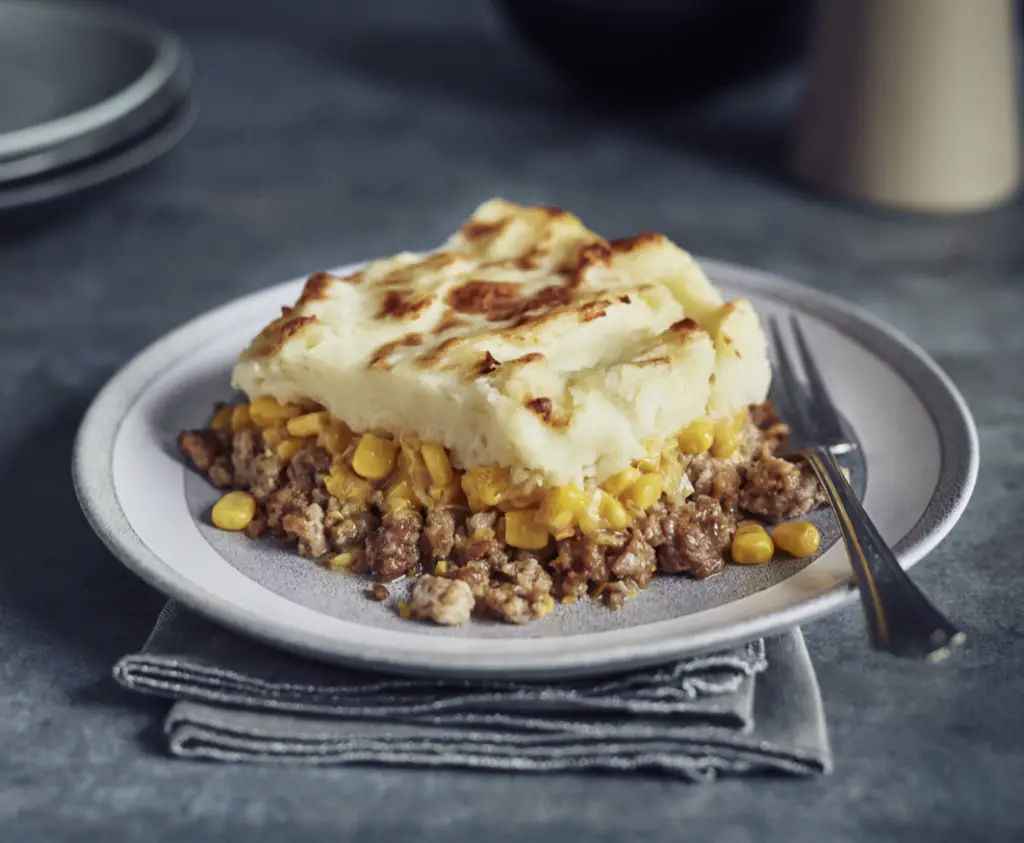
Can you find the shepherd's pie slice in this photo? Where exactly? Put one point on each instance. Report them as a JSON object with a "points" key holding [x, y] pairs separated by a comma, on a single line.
{"points": [[525, 342]]}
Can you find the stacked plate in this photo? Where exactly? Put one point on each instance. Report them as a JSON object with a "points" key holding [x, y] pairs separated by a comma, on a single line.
{"points": [[86, 95]]}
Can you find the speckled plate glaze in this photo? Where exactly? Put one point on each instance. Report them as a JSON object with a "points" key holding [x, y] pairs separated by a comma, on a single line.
{"points": [[919, 460]]}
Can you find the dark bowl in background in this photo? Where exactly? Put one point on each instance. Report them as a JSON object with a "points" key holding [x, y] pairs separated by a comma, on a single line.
{"points": [[649, 50]]}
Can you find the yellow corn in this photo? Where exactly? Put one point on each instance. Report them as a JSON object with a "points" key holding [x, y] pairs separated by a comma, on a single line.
{"points": [[618, 483], [589, 520], [652, 462], [310, 424], [518, 498], [441, 568], [234, 511], [374, 457], [274, 436], [404, 610], [727, 436], [450, 495], [240, 418], [267, 411], [336, 438], [562, 507], [748, 526], [752, 547], [697, 437], [440, 467], [613, 512], [399, 497], [547, 603], [222, 418], [569, 598], [523, 529], [484, 486], [345, 559], [644, 493], [345, 485], [797, 538], [288, 448]]}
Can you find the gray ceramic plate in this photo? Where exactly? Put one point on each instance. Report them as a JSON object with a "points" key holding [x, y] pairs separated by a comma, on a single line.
{"points": [[918, 442], [96, 171], [76, 81]]}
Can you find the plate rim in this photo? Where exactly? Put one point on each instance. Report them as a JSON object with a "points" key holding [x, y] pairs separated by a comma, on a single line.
{"points": [[169, 59], [93, 482], [157, 142]]}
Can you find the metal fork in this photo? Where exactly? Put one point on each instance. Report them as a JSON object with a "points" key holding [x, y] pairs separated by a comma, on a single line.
{"points": [[900, 618]]}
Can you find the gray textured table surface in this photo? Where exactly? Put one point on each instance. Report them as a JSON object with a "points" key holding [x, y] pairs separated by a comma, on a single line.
{"points": [[324, 139]]}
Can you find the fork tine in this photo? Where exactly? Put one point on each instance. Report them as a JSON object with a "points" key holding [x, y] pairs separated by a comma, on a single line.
{"points": [[830, 428], [797, 410]]}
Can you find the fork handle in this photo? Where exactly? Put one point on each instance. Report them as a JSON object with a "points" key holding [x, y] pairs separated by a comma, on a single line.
{"points": [[901, 620]]}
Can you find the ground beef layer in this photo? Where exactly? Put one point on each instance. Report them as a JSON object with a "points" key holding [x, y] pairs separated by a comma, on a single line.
{"points": [[460, 559]]}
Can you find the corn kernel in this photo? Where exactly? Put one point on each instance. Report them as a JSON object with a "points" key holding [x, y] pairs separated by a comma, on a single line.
{"points": [[547, 603], [523, 529], [652, 462], [404, 610], [309, 424], [749, 526], [438, 464], [797, 538], [267, 411], [752, 547], [697, 437], [336, 438], [399, 497], [618, 483], [519, 498], [222, 418], [484, 486], [240, 418], [274, 436], [234, 511], [374, 457], [613, 512], [568, 598], [562, 507], [346, 485], [288, 448], [450, 495], [727, 436], [589, 520], [441, 568], [645, 492], [345, 559]]}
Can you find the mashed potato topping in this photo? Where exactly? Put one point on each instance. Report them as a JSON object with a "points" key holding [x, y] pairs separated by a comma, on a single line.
{"points": [[526, 342]]}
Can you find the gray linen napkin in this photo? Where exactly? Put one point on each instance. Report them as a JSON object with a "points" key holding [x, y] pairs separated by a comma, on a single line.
{"points": [[752, 709]]}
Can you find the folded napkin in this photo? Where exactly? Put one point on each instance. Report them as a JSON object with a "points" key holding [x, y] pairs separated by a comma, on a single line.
{"points": [[752, 709]]}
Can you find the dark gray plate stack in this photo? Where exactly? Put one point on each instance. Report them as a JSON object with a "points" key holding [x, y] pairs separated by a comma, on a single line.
{"points": [[87, 94]]}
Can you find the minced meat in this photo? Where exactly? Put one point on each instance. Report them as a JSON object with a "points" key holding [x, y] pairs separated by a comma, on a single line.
{"points": [[481, 572], [394, 547], [445, 602], [438, 534], [697, 536], [778, 489], [308, 528]]}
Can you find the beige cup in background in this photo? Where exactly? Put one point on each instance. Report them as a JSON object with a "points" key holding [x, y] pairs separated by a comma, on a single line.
{"points": [[912, 104]]}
